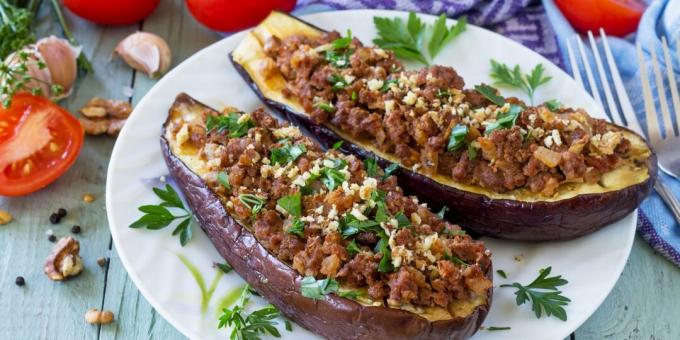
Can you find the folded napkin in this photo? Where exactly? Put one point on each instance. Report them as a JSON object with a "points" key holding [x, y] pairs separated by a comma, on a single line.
{"points": [[662, 18]]}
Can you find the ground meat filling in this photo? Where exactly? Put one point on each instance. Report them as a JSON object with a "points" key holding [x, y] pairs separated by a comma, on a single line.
{"points": [[348, 225], [365, 92]]}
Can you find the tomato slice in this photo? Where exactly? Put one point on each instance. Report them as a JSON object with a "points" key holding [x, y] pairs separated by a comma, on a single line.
{"points": [[617, 17], [39, 141]]}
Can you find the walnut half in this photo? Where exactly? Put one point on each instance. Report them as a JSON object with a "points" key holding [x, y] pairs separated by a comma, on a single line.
{"points": [[104, 116], [65, 261]]}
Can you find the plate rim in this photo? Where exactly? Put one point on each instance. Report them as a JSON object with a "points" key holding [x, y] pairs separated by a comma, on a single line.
{"points": [[113, 161]]}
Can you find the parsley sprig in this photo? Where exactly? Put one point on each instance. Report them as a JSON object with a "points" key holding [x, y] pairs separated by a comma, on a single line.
{"points": [[543, 294], [15, 77], [254, 202], [287, 153], [317, 289], [159, 216], [504, 75], [231, 122], [253, 325], [408, 39]]}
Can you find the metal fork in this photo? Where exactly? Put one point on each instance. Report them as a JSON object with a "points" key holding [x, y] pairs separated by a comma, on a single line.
{"points": [[626, 116]]}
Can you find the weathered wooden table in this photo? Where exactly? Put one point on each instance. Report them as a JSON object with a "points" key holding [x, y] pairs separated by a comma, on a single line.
{"points": [[643, 305]]}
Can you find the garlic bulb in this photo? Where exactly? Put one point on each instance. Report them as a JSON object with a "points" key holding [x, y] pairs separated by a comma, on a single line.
{"points": [[60, 66], [145, 52]]}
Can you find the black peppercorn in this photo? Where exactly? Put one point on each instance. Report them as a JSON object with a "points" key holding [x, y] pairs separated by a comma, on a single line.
{"points": [[20, 281], [75, 229], [52, 238], [61, 212], [54, 218]]}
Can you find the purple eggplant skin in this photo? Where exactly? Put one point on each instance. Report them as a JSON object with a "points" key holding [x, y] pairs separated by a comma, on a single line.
{"points": [[332, 317], [500, 218]]}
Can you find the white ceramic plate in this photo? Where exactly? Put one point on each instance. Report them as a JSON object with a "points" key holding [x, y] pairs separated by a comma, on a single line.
{"points": [[592, 264]]}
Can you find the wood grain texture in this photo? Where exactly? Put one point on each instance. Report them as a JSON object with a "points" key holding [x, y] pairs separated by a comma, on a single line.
{"points": [[643, 304]]}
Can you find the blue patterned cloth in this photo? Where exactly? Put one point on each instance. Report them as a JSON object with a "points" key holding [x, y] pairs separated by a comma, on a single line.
{"points": [[541, 27]]}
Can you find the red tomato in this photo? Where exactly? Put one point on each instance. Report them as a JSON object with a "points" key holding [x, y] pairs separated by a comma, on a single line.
{"points": [[112, 12], [39, 141], [617, 17], [235, 15]]}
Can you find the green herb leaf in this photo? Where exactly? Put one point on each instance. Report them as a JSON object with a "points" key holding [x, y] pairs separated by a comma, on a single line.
{"points": [[504, 120], [331, 176], [253, 202], [338, 59], [442, 35], [385, 265], [297, 228], [350, 294], [292, 204], [350, 225], [342, 43], [471, 151], [223, 178], [371, 166], [404, 39], [354, 96], [402, 220], [328, 107], [493, 328], [387, 85], [455, 259], [250, 326], [381, 212], [457, 137], [338, 82], [317, 289], [502, 273], [513, 77], [389, 170], [442, 212], [184, 231], [490, 94], [553, 104], [353, 248], [543, 294], [224, 267], [159, 216], [337, 145], [229, 123], [287, 153]]}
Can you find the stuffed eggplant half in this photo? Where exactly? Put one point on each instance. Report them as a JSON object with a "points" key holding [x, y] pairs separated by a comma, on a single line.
{"points": [[504, 168], [328, 239]]}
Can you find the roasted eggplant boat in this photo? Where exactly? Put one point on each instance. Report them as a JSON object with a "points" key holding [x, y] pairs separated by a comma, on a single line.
{"points": [[286, 215], [505, 169]]}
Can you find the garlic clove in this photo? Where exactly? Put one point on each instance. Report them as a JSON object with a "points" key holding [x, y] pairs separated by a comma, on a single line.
{"points": [[61, 60], [145, 52], [41, 77]]}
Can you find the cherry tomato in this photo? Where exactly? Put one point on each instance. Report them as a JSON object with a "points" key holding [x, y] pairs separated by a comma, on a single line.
{"points": [[39, 141], [617, 17], [235, 15], [112, 12]]}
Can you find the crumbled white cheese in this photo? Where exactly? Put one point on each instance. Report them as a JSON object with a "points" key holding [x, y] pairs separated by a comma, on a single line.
{"points": [[265, 170], [319, 210], [349, 78], [182, 135], [374, 84], [548, 141], [367, 187], [258, 137], [415, 218], [287, 132], [358, 214], [333, 214], [380, 52], [556, 137], [410, 98], [389, 106], [420, 103]]}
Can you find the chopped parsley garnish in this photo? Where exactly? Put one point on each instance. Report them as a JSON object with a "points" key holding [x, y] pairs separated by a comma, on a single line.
{"points": [[229, 123], [504, 120], [353, 248], [340, 52], [457, 137], [553, 104], [389, 170], [292, 204], [297, 228], [471, 151], [386, 85], [490, 94], [442, 212], [371, 166], [343, 42], [159, 216], [289, 325], [443, 93], [328, 107], [338, 82], [223, 178], [350, 294], [350, 225], [331, 176], [402, 220], [224, 267], [253, 202], [493, 328], [408, 39], [513, 77], [502, 273], [287, 153], [543, 294], [317, 289], [354, 96], [455, 259], [381, 212], [385, 265], [337, 145]]}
